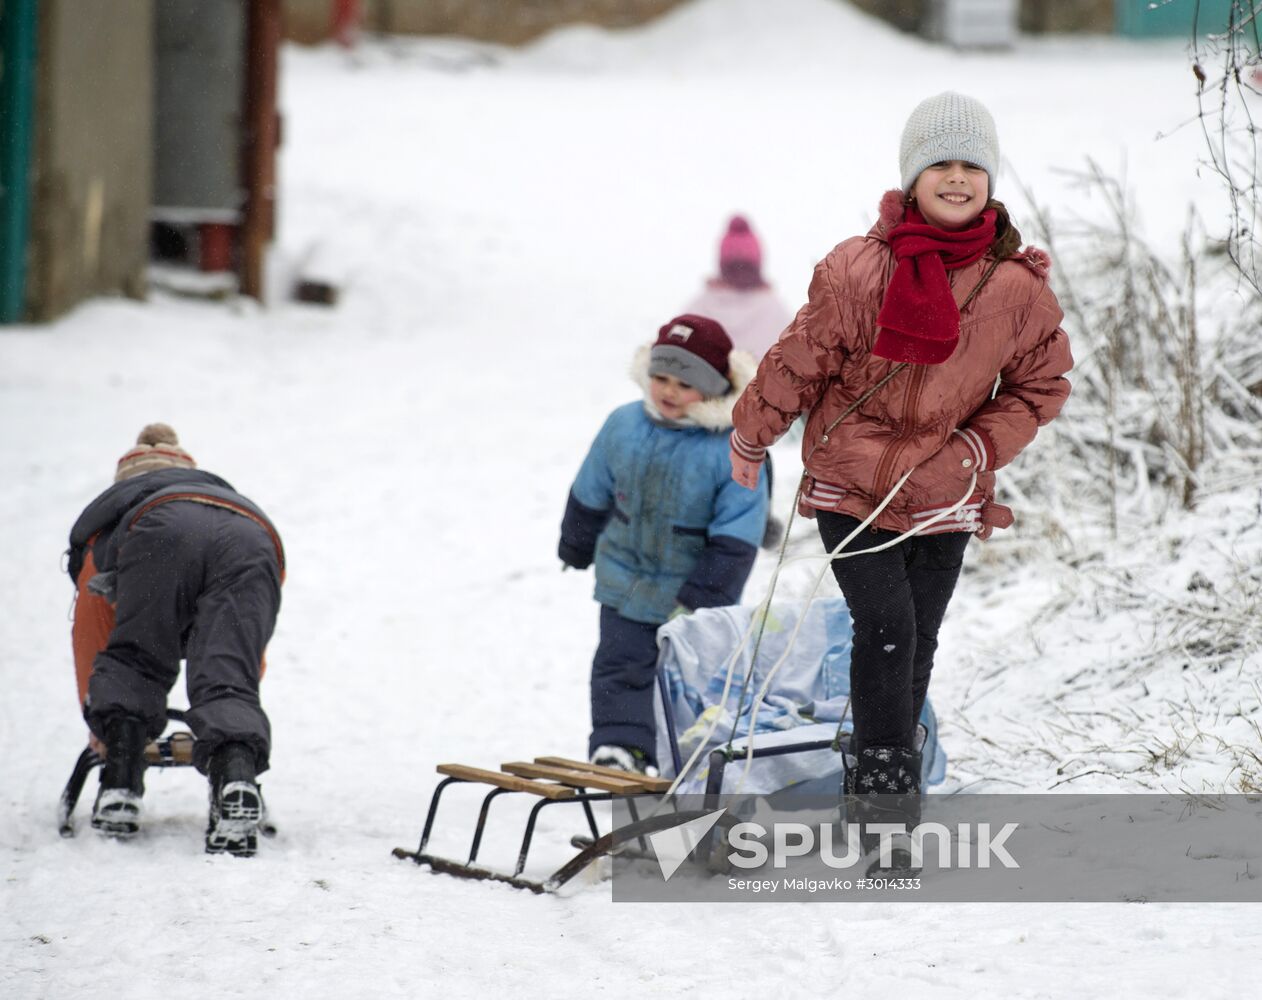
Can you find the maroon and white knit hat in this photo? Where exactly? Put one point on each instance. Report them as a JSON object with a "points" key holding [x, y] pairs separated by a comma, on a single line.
{"points": [[693, 349], [157, 447]]}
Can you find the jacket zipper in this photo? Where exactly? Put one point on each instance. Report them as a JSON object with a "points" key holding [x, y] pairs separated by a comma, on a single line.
{"points": [[885, 467]]}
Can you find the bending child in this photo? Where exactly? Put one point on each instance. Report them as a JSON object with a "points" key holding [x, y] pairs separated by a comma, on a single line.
{"points": [[655, 506], [172, 563]]}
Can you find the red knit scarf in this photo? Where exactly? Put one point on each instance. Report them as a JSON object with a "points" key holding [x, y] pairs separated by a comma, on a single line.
{"points": [[919, 320]]}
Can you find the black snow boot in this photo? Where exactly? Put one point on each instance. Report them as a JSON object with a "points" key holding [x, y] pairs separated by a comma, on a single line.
{"points": [[116, 811], [236, 806], [882, 785]]}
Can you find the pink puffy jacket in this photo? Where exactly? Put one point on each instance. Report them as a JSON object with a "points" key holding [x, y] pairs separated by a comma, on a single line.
{"points": [[752, 317], [971, 414]]}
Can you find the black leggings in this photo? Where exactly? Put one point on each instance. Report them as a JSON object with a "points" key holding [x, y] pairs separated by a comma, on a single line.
{"points": [[897, 599]]}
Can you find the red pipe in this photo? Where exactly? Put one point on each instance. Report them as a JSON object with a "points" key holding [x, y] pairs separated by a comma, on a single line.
{"points": [[345, 27], [216, 246]]}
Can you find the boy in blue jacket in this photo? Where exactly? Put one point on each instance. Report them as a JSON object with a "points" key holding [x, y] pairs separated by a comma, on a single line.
{"points": [[655, 507]]}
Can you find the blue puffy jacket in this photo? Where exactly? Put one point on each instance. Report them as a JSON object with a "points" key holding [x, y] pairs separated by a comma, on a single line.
{"points": [[657, 509]]}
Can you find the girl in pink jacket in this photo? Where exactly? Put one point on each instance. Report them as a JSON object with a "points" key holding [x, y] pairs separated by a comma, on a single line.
{"points": [[926, 358]]}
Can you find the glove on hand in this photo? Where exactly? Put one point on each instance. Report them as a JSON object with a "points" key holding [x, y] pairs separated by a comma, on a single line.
{"points": [[104, 585], [572, 556]]}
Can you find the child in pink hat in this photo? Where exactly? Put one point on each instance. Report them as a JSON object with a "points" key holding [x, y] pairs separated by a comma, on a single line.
{"points": [[739, 298]]}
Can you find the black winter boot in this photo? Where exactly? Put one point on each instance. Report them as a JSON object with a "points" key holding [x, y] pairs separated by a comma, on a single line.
{"points": [[116, 811], [882, 785], [236, 807]]}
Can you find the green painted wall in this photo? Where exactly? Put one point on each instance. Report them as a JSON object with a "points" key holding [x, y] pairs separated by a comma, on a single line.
{"points": [[1173, 18], [18, 38]]}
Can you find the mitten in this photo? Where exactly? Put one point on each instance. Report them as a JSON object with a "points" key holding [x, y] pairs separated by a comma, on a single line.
{"points": [[573, 556]]}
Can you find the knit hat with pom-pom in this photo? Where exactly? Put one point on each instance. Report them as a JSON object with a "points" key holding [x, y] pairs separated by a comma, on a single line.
{"points": [[740, 255], [157, 447]]}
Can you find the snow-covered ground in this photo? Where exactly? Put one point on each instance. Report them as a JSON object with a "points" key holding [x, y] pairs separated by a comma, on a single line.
{"points": [[509, 226]]}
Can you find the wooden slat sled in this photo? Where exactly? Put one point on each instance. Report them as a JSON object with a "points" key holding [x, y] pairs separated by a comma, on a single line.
{"points": [[551, 780]]}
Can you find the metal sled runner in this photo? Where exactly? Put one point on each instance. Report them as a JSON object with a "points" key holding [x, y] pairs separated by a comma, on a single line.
{"points": [[552, 780]]}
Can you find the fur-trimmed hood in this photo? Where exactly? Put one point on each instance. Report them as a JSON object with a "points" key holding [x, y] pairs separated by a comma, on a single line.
{"points": [[713, 414], [1007, 238]]}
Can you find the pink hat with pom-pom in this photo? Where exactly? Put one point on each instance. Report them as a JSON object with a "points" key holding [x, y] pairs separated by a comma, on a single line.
{"points": [[740, 255]]}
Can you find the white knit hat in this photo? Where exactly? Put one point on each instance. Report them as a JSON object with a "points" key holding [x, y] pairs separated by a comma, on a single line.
{"points": [[948, 127], [157, 447]]}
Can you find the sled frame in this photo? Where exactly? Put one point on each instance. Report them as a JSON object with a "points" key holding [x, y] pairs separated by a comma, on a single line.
{"points": [[172, 750], [720, 757], [553, 780]]}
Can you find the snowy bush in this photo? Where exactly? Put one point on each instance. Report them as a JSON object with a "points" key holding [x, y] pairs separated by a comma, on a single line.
{"points": [[1227, 64], [1166, 404], [1143, 636]]}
